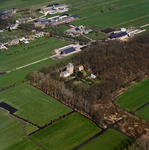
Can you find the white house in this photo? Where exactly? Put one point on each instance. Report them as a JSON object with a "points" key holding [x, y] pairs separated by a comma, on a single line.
{"points": [[68, 72], [13, 26], [2, 46], [93, 76]]}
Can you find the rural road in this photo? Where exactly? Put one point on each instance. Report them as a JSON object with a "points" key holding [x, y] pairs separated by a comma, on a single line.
{"points": [[31, 63]]}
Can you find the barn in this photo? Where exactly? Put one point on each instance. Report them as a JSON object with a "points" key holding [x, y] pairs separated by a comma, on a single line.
{"points": [[68, 50]]}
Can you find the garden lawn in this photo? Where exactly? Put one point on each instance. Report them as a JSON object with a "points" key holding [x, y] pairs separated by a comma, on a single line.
{"points": [[116, 17], [33, 104], [11, 130], [144, 112], [106, 141], [66, 133], [135, 96], [23, 57], [96, 36]]}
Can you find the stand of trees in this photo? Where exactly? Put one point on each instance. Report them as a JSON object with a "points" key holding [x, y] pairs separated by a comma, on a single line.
{"points": [[117, 63]]}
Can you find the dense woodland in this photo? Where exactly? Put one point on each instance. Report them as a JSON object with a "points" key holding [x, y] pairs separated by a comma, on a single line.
{"points": [[117, 64]]}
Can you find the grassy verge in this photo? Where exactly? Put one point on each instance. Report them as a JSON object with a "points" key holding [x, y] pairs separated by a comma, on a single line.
{"points": [[33, 104], [135, 96], [106, 141]]}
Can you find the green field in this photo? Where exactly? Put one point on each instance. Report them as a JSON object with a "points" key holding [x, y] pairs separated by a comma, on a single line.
{"points": [[19, 75], [64, 134], [135, 96], [117, 16], [106, 141], [94, 7], [24, 144], [33, 104], [144, 112], [135, 22], [6, 5], [23, 57], [11, 130]]}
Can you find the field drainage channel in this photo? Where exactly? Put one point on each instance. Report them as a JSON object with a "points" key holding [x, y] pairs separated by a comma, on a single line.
{"points": [[12, 110], [140, 108], [109, 126]]}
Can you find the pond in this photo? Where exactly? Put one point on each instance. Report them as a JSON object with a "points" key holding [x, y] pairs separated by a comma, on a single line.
{"points": [[8, 107]]}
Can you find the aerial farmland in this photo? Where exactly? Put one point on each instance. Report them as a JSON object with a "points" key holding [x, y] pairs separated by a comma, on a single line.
{"points": [[74, 75]]}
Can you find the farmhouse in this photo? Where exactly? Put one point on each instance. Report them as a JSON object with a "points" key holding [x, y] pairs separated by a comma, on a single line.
{"points": [[40, 34], [69, 49], [68, 71], [118, 35], [8, 12], [81, 68], [20, 20], [43, 22], [13, 26], [2, 46], [15, 41], [76, 31], [56, 8], [61, 21]]}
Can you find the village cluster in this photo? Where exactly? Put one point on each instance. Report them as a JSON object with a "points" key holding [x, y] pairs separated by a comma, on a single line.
{"points": [[44, 22]]}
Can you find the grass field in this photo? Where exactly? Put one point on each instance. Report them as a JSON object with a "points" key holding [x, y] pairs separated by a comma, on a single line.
{"points": [[24, 144], [144, 112], [6, 5], [116, 17], [94, 7], [23, 57], [10, 130], [64, 134], [33, 104], [135, 22], [67, 133], [135, 96], [19, 75], [106, 141]]}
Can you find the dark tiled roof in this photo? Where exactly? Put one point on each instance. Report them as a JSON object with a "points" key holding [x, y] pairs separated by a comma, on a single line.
{"points": [[75, 16], [69, 50], [117, 35]]}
